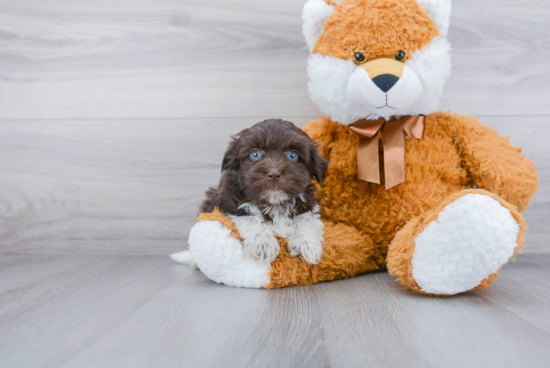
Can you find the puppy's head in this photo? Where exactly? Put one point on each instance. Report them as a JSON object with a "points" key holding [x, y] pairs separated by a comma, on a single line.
{"points": [[274, 162]]}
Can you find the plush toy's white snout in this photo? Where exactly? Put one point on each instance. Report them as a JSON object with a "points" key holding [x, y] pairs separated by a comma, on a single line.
{"points": [[384, 87]]}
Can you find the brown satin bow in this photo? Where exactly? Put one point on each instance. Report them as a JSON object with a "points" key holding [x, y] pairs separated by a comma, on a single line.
{"points": [[368, 162]]}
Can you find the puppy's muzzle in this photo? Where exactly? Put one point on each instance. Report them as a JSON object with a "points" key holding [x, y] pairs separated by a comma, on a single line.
{"points": [[385, 72]]}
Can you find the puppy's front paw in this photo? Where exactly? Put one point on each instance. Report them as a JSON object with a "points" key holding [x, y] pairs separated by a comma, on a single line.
{"points": [[263, 248], [310, 251]]}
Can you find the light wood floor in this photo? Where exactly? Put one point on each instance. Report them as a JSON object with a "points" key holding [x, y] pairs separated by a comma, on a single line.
{"points": [[145, 311], [114, 116]]}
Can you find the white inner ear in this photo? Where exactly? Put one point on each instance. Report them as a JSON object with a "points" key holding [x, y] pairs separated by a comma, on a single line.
{"points": [[314, 17], [440, 12]]}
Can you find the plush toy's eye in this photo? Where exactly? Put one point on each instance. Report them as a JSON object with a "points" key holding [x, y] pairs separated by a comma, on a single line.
{"points": [[401, 56], [292, 156], [256, 155], [359, 58]]}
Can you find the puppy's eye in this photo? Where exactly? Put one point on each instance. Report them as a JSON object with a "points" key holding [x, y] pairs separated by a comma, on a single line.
{"points": [[256, 155], [401, 56], [359, 58], [292, 156]]}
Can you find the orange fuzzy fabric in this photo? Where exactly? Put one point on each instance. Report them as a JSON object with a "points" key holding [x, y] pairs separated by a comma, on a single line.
{"points": [[455, 155], [346, 253], [365, 224], [376, 28], [223, 219], [402, 248]]}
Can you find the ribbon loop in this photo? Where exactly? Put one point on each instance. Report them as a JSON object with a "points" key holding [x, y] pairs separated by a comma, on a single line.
{"points": [[368, 160], [414, 126]]}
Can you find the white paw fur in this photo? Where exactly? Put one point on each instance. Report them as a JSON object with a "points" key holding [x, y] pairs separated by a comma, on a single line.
{"points": [[221, 258], [471, 239], [307, 240], [262, 247], [304, 234], [259, 242]]}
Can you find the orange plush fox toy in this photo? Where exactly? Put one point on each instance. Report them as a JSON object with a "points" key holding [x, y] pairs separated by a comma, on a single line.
{"points": [[434, 198]]}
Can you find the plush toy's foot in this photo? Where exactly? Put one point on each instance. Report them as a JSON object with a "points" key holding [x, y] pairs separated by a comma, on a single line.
{"points": [[459, 246], [219, 255]]}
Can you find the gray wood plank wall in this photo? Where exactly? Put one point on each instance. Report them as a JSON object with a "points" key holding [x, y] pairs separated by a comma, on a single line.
{"points": [[114, 115]]}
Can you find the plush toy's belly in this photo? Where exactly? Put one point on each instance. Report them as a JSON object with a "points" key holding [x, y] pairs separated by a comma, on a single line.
{"points": [[433, 171]]}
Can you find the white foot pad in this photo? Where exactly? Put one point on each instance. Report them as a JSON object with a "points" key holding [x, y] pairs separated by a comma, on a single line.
{"points": [[471, 239], [220, 257]]}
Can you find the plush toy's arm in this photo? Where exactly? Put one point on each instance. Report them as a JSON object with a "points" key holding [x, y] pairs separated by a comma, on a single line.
{"points": [[491, 161], [216, 247]]}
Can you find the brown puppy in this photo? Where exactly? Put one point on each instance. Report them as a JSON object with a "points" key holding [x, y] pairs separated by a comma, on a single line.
{"points": [[266, 189]]}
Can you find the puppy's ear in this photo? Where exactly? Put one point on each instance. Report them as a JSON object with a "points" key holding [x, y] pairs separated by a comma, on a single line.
{"points": [[317, 164], [231, 158]]}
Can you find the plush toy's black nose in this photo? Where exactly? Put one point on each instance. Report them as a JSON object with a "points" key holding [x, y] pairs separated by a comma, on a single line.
{"points": [[385, 81], [274, 174]]}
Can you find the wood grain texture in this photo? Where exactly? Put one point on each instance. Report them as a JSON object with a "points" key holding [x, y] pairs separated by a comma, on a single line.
{"points": [[134, 186], [145, 311], [107, 186], [195, 58], [114, 115]]}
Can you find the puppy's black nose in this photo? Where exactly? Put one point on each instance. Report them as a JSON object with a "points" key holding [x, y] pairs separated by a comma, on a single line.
{"points": [[385, 81], [274, 174]]}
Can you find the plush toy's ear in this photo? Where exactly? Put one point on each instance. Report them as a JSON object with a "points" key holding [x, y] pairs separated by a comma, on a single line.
{"points": [[314, 17], [440, 12]]}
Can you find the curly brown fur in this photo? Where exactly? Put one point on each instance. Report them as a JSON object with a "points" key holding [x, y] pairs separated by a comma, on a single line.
{"points": [[245, 180]]}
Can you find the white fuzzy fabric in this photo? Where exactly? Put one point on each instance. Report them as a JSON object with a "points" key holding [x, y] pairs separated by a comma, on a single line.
{"points": [[184, 257], [314, 17], [220, 257], [224, 259], [344, 100], [471, 239], [328, 83], [433, 65], [363, 92], [307, 240], [440, 12]]}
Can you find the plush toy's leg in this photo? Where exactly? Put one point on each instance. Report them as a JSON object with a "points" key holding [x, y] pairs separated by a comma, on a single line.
{"points": [[458, 246], [346, 253], [216, 248]]}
